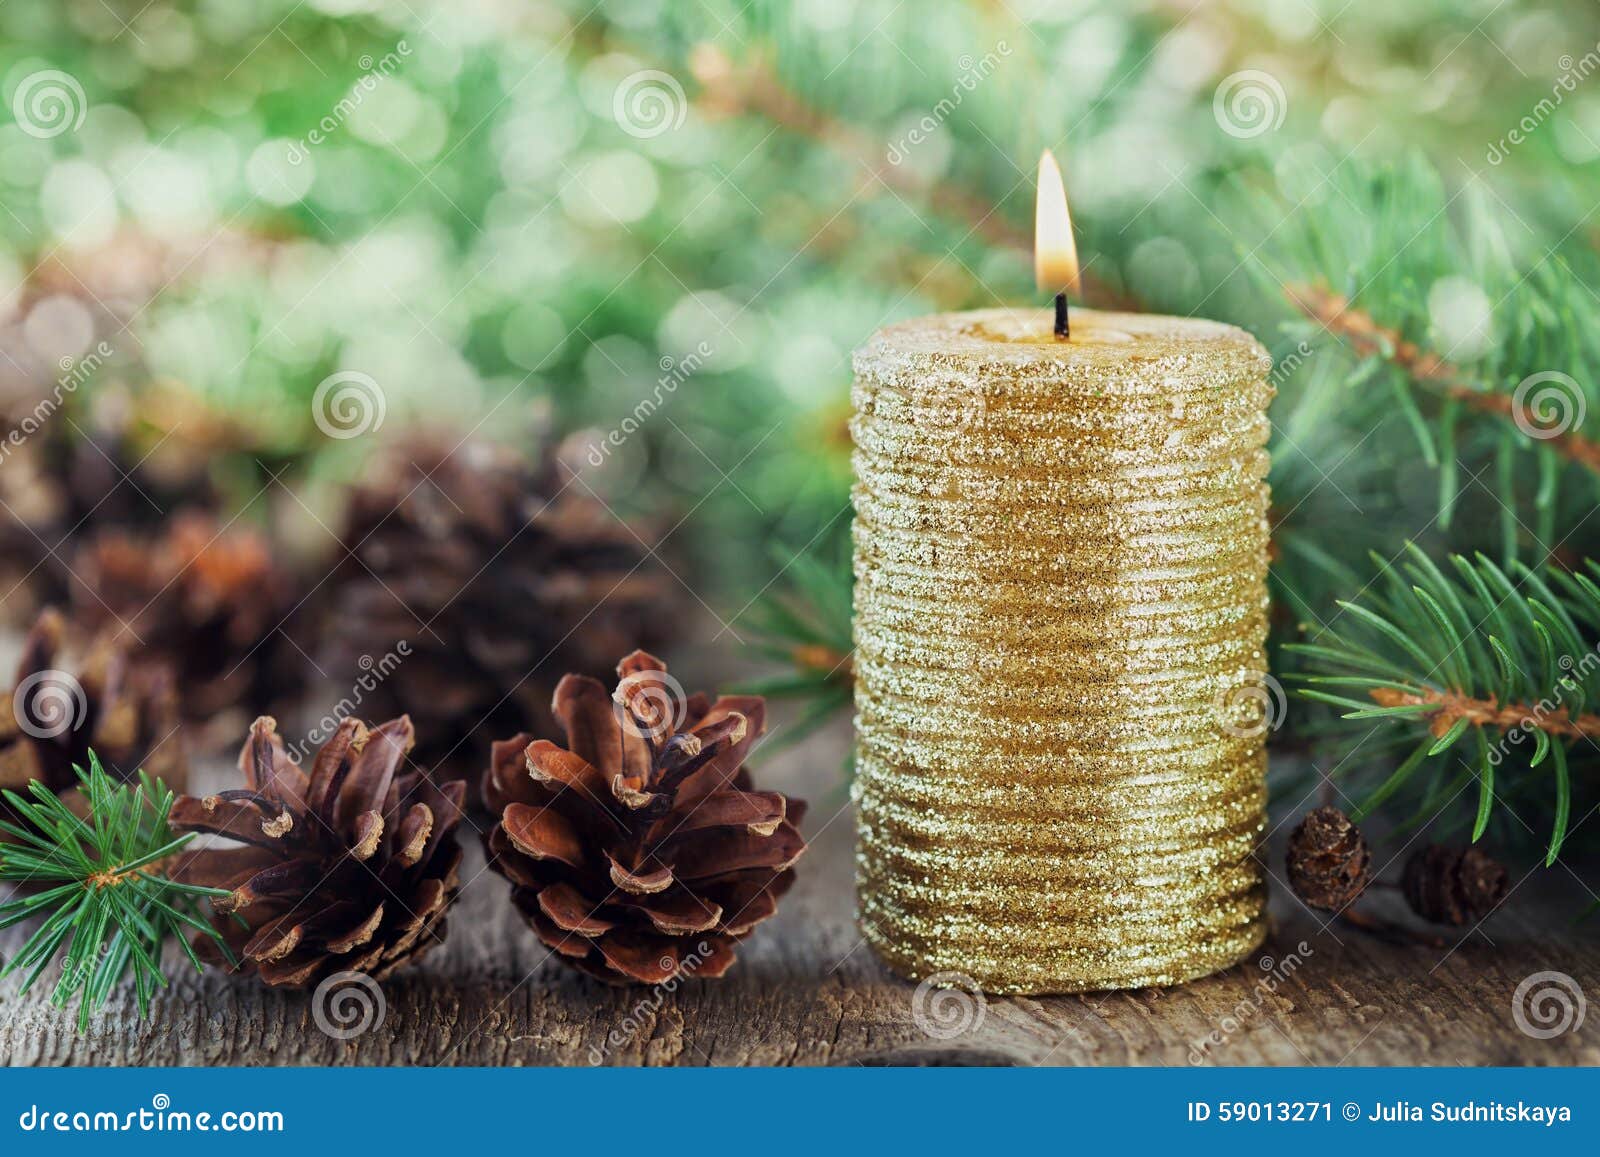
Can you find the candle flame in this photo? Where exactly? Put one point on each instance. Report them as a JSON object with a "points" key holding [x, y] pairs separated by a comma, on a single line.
{"points": [[1055, 254]]}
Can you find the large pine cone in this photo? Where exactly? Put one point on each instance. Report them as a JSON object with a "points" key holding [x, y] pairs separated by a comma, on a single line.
{"points": [[50, 718], [1453, 886], [640, 852], [349, 868], [1329, 861], [498, 579], [208, 600]]}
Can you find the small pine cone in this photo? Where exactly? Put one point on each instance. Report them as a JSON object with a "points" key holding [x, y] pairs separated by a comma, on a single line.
{"points": [[50, 718], [1329, 861], [1453, 886], [640, 852], [350, 868]]}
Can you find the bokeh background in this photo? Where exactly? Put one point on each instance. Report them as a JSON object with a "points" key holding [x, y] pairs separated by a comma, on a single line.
{"points": [[265, 240]]}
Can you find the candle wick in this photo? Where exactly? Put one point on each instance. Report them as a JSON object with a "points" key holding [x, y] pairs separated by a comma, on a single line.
{"points": [[1063, 323]]}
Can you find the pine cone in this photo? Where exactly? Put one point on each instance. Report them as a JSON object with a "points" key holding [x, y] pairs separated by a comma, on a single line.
{"points": [[351, 868], [639, 852], [58, 491], [51, 718], [498, 579], [1453, 886], [207, 600], [1328, 859]]}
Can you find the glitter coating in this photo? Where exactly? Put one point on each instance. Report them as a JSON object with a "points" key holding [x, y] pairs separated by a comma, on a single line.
{"points": [[1060, 560]]}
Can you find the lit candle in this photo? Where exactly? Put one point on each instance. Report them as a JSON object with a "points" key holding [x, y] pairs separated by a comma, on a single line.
{"points": [[1055, 253], [1061, 562]]}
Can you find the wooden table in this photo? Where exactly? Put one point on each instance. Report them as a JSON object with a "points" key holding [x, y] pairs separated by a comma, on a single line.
{"points": [[808, 992]]}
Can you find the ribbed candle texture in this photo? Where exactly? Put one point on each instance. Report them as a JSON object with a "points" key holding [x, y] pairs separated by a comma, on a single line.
{"points": [[1060, 620]]}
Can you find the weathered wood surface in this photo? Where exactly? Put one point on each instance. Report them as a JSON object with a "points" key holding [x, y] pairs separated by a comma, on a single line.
{"points": [[807, 992]]}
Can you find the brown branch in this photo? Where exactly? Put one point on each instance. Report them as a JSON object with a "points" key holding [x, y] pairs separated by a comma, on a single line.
{"points": [[1450, 708], [819, 659], [750, 88], [1358, 330]]}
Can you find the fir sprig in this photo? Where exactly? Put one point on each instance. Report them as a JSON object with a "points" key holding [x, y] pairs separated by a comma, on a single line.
{"points": [[1455, 332], [1490, 675], [99, 885], [806, 627]]}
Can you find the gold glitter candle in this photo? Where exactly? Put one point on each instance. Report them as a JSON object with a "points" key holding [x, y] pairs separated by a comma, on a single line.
{"points": [[1060, 559]]}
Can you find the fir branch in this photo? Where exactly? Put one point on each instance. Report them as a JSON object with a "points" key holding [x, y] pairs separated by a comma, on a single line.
{"points": [[1427, 369], [751, 88], [1508, 657], [99, 885]]}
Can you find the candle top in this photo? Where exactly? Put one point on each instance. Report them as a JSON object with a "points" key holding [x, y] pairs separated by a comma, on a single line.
{"points": [[1107, 353]]}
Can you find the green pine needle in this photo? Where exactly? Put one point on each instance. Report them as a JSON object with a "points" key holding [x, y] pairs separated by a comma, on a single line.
{"points": [[106, 906]]}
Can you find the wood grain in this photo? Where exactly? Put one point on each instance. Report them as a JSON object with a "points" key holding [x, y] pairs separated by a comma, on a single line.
{"points": [[807, 992]]}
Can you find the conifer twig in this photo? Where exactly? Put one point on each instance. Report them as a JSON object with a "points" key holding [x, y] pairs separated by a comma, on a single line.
{"points": [[1363, 334], [100, 886], [729, 89], [1500, 667]]}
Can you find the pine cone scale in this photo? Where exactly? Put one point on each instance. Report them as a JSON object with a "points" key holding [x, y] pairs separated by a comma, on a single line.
{"points": [[639, 880], [760, 812], [571, 911], [543, 833], [549, 763], [682, 914], [585, 712]]}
